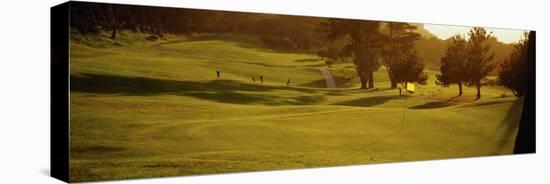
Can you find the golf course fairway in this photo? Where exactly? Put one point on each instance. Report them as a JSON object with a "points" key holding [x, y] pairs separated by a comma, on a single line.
{"points": [[159, 109]]}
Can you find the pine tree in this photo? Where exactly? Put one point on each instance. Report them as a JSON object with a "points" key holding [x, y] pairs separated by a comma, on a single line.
{"points": [[479, 58], [453, 64], [409, 69], [399, 45], [364, 40]]}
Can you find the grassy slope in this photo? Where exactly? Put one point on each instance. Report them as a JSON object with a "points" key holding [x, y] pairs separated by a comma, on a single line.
{"points": [[157, 109]]}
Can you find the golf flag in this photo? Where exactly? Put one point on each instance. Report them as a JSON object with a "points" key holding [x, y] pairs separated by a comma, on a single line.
{"points": [[410, 87]]}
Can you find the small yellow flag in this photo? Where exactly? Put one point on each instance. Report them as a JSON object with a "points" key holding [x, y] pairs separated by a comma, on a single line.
{"points": [[410, 87]]}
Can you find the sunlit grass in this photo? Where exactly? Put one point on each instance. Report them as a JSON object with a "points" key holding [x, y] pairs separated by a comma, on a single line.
{"points": [[155, 109]]}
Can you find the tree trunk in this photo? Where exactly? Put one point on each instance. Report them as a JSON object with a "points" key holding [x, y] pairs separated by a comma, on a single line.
{"points": [[478, 86], [363, 79], [371, 78], [460, 88], [113, 34], [393, 84], [112, 21]]}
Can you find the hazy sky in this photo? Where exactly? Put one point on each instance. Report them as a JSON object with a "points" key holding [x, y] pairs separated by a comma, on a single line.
{"points": [[445, 31]]}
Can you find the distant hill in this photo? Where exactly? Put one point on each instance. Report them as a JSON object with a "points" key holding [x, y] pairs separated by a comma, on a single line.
{"points": [[431, 49], [420, 29]]}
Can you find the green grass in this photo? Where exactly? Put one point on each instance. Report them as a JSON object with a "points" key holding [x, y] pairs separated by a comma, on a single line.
{"points": [[158, 109]]}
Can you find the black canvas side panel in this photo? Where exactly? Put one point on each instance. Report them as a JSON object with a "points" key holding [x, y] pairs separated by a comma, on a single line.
{"points": [[59, 99], [526, 137]]}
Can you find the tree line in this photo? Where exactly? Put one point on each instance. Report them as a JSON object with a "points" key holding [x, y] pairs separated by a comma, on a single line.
{"points": [[465, 62], [372, 44], [369, 45], [277, 31], [468, 62]]}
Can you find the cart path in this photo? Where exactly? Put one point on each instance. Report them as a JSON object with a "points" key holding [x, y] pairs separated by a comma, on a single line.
{"points": [[328, 77]]}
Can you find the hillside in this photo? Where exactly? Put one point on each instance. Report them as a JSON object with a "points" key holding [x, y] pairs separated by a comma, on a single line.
{"points": [[157, 108], [432, 49]]}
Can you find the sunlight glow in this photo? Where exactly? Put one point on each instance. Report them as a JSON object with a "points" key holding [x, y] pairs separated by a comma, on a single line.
{"points": [[447, 31]]}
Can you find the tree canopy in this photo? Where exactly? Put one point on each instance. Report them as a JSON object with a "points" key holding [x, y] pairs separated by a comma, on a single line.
{"points": [[365, 41], [480, 58], [400, 57], [453, 64], [514, 68]]}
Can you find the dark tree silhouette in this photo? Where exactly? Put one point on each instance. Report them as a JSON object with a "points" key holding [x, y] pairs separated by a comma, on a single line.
{"points": [[480, 58], [513, 72], [398, 49], [364, 39], [346, 54], [453, 64], [409, 69], [113, 14], [330, 53]]}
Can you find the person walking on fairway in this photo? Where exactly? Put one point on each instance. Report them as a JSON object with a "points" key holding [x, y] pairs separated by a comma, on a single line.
{"points": [[288, 82], [218, 72]]}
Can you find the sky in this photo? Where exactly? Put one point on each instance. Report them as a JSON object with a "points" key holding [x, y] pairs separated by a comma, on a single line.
{"points": [[446, 31]]}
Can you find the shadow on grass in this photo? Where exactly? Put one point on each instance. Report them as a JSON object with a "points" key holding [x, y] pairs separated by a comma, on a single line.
{"points": [[308, 60], [370, 101], [478, 104], [321, 82], [454, 98], [224, 91], [339, 92], [432, 105], [96, 149], [509, 126]]}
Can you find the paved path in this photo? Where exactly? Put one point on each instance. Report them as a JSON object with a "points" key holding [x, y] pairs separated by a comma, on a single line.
{"points": [[328, 77]]}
